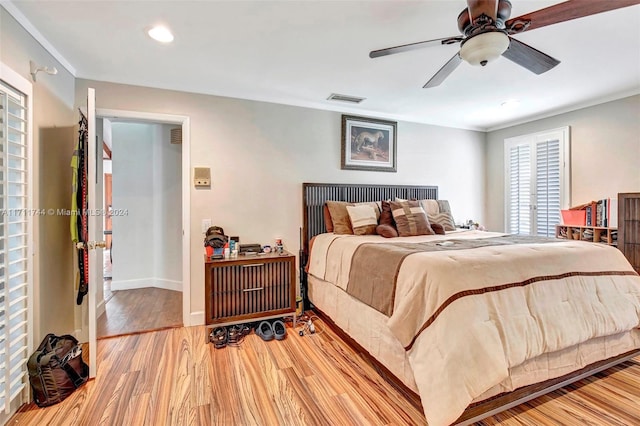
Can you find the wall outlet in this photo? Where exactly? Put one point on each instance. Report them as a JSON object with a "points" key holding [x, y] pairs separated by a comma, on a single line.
{"points": [[206, 224]]}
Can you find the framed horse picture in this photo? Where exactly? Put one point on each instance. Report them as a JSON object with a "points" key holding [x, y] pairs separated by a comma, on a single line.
{"points": [[368, 144]]}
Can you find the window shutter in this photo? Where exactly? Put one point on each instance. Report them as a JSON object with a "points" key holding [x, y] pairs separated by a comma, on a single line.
{"points": [[519, 189], [13, 245], [547, 187]]}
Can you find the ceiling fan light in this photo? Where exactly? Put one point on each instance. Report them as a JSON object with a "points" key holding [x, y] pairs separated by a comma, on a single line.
{"points": [[484, 48]]}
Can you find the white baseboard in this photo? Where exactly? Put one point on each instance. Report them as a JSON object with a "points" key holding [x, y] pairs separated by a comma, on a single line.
{"points": [[100, 308], [145, 283], [168, 284], [197, 318]]}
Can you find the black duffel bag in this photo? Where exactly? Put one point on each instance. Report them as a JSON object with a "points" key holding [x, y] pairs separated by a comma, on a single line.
{"points": [[56, 369]]}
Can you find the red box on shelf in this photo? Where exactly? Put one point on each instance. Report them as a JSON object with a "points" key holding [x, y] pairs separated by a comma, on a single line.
{"points": [[574, 217]]}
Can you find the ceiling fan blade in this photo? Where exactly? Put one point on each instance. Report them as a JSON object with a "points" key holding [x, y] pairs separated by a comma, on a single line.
{"points": [[562, 12], [528, 57], [414, 46], [444, 72]]}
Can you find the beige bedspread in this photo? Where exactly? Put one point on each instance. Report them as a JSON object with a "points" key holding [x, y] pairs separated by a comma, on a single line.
{"points": [[467, 316]]}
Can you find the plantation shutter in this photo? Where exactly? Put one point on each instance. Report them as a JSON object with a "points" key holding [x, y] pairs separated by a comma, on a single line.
{"points": [[520, 189], [547, 210], [13, 246], [536, 182]]}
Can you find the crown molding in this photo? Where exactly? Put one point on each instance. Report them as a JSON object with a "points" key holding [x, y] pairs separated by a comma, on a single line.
{"points": [[13, 10]]}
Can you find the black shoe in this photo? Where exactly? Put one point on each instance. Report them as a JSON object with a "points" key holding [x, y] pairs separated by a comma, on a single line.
{"points": [[237, 332], [219, 337]]}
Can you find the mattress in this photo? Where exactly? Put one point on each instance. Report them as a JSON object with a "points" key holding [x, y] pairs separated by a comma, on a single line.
{"points": [[377, 333]]}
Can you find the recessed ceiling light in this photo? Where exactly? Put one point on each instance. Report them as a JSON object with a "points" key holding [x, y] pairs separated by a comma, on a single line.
{"points": [[511, 103], [161, 34]]}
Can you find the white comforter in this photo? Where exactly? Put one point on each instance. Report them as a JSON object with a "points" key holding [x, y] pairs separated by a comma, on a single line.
{"points": [[468, 316]]}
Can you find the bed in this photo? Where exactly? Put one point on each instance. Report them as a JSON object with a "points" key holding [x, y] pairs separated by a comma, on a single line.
{"points": [[472, 322]]}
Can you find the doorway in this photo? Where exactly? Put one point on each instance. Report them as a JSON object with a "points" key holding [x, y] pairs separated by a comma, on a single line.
{"points": [[144, 262]]}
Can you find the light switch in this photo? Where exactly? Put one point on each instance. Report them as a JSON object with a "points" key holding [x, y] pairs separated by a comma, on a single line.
{"points": [[206, 224]]}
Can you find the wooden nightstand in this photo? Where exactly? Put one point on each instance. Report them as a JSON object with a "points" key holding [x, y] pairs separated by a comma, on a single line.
{"points": [[249, 288]]}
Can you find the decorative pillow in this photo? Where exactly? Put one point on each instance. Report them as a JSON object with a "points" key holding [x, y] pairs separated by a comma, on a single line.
{"points": [[387, 231], [363, 219], [437, 228], [443, 219], [386, 217], [410, 218], [340, 216], [444, 208], [328, 224]]}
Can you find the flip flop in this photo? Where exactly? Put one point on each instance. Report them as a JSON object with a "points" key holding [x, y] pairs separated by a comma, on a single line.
{"points": [[265, 331], [279, 330]]}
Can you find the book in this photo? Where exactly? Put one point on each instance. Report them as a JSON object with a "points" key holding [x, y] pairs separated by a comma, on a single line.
{"points": [[588, 215], [613, 212]]}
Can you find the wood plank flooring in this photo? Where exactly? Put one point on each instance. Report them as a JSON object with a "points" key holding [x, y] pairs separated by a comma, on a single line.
{"points": [[174, 377], [141, 309]]}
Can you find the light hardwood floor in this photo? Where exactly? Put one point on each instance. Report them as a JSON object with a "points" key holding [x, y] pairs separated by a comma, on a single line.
{"points": [[141, 309], [174, 377]]}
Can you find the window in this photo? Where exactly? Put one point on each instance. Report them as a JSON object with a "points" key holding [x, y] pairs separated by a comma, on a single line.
{"points": [[15, 230], [537, 181]]}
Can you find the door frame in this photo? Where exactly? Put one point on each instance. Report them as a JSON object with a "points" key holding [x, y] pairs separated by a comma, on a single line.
{"points": [[184, 121]]}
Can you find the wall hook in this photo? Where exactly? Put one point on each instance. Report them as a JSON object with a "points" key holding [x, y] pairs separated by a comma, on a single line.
{"points": [[35, 68]]}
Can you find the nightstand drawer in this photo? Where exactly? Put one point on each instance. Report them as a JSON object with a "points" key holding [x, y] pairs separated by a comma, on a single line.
{"points": [[249, 288]]}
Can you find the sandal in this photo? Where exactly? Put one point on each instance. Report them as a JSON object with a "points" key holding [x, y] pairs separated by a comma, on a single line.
{"points": [[237, 333], [279, 330], [265, 331], [219, 337]]}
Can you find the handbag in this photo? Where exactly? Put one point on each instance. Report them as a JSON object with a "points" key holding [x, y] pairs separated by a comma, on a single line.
{"points": [[56, 369]]}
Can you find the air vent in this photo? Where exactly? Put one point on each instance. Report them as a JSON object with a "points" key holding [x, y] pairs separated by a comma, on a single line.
{"points": [[176, 136], [345, 98]]}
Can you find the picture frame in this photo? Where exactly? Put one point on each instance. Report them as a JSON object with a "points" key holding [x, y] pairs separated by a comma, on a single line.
{"points": [[369, 144]]}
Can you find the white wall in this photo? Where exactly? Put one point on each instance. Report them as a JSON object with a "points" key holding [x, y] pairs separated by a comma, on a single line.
{"points": [[53, 111], [261, 153], [605, 153], [146, 183], [167, 171]]}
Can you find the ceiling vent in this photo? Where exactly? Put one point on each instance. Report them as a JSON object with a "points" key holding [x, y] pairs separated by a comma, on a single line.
{"points": [[345, 98]]}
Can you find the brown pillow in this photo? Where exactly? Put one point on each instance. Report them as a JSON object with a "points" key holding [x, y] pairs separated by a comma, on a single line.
{"points": [[387, 231], [340, 217], [410, 218], [443, 219], [328, 224], [437, 228], [386, 218]]}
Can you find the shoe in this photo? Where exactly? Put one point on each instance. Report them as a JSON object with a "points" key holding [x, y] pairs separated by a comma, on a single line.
{"points": [[265, 331], [237, 333], [279, 330], [219, 337]]}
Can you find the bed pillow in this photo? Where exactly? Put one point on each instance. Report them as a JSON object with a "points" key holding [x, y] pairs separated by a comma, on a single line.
{"points": [[443, 206], [328, 224], [363, 219], [430, 206], [410, 218], [340, 216]]}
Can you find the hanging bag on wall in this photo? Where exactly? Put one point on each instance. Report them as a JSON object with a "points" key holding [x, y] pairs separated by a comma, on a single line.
{"points": [[56, 369]]}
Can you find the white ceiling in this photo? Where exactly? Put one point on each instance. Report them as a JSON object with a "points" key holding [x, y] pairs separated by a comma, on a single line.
{"points": [[299, 52]]}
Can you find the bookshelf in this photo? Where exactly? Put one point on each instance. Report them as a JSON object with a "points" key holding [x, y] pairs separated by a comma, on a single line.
{"points": [[601, 234]]}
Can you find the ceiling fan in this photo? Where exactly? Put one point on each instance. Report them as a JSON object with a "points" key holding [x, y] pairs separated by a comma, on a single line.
{"points": [[487, 32]]}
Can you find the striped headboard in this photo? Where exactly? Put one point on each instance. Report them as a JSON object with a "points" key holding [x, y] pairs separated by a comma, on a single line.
{"points": [[314, 195]]}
